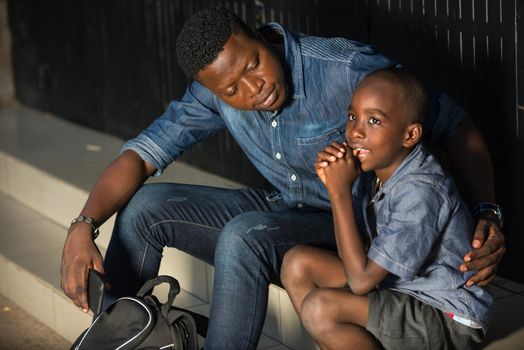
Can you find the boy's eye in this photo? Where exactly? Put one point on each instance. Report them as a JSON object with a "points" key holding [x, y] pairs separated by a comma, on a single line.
{"points": [[351, 117], [374, 121]]}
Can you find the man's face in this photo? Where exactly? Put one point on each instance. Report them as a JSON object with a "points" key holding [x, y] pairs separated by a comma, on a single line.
{"points": [[246, 75], [377, 126]]}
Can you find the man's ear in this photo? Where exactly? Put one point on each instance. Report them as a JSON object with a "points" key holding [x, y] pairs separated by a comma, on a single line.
{"points": [[413, 134]]}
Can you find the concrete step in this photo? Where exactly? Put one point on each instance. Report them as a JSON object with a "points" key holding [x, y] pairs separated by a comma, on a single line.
{"points": [[47, 166]]}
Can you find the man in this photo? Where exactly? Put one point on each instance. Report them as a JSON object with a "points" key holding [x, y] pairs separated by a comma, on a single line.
{"points": [[283, 97]]}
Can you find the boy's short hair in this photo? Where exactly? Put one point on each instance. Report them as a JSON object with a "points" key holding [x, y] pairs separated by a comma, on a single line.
{"points": [[413, 90], [203, 37]]}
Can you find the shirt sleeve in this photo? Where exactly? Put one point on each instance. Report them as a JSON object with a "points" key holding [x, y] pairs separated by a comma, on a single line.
{"points": [[183, 124], [408, 227]]}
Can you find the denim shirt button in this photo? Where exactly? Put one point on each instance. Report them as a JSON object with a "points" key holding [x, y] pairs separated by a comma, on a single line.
{"points": [[293, 177], [300, 205], [278, 155], [274, 123]]}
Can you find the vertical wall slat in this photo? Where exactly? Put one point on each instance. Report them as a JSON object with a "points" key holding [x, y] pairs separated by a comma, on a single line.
{"points": [[514, 259]]}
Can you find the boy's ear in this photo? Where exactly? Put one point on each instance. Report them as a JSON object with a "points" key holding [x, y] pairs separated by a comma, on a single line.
{"points": [[413, 135]]}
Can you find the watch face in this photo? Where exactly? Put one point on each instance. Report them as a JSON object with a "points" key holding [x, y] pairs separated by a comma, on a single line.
{"points": [[492, 207]]}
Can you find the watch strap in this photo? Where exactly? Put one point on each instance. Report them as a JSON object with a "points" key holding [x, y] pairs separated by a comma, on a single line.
{"points": [[88, 220], [491, 207]]}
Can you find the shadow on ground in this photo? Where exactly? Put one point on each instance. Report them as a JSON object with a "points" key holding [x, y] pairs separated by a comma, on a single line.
{"points": [[19, 330]]}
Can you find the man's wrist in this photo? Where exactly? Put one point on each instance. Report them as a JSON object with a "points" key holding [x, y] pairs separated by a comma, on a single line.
{"points": [[489, 210], [89, 221]]}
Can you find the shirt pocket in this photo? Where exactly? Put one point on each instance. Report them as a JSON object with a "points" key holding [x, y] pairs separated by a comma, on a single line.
{"points": [[308, 147]]}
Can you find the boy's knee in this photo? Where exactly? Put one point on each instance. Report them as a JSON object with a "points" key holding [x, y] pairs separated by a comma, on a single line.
{"points": [[317, 312], [295, 266]]}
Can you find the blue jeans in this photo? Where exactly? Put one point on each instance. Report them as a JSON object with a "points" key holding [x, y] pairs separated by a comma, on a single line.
{"points": [[244, 233]]}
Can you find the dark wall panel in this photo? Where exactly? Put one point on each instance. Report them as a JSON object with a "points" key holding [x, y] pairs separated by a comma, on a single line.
{"points": [[111, 65]]}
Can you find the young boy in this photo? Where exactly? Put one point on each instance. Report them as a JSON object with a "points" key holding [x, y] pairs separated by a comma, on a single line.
{"points": [[405, 292]]}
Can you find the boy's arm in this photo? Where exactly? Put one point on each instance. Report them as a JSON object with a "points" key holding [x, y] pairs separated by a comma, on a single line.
{"points": [[337, 169], [363, 274]]}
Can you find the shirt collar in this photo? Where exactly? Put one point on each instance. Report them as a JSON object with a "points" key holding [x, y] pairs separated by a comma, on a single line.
{"points": [[413, 161], [293, 59]]}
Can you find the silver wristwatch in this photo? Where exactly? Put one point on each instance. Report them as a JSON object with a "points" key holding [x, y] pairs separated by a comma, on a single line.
{"points": [[491, 207], [87, 220]]}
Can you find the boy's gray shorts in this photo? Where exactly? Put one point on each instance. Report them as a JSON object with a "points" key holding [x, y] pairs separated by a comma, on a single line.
{"points": [[400, 321]]}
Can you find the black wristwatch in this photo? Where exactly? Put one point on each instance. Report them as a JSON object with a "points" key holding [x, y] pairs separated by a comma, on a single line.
{"points": [[491, 207]]}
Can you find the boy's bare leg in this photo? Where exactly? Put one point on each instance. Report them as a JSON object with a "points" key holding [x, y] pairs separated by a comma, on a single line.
{"points": [[337, 319], [305, 268]]}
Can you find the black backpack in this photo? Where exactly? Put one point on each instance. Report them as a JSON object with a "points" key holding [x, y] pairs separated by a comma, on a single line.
{"points": [[142, 322]]}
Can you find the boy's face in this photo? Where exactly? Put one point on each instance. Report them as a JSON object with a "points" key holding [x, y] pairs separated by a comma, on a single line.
{"points": [[379, 131], [246, 75]]}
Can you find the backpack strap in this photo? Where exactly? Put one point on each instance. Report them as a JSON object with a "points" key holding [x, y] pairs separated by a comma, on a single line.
{"points": [[183, 323], [174, 289], [201, 321]]}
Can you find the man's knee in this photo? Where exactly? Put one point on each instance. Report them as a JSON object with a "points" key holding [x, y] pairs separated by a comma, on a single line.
{"points": [[247, 234], [133, 220], [139, 204]]}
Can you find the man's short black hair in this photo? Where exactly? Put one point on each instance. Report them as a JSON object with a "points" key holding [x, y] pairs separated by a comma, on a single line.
{"points": [[203, 37]]}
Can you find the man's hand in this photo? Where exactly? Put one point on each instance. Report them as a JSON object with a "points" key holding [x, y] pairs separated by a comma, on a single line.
{"points": [[79, 255], [488, 244]]}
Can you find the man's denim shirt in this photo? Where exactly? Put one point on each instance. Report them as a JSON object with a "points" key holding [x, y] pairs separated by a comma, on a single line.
{"points": [[423, 230], [321, 75]]}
